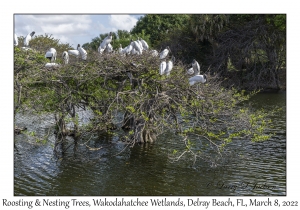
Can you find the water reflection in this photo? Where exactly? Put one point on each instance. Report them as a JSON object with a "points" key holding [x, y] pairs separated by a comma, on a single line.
{"points": [[146, 169]]}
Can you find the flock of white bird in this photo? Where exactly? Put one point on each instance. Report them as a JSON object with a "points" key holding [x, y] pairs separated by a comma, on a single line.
{"points": [[134, 48]]}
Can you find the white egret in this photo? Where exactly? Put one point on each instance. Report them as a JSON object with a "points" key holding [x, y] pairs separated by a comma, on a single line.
{"points": [[82, 52], [65, 57], [51, 55], [164, 53], [169, 66], [16, 42], [144, 44], [28, 39], [162, 67]]}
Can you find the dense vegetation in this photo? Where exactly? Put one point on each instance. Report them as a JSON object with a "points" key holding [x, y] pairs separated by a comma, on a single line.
{"points": [[240, 51]]}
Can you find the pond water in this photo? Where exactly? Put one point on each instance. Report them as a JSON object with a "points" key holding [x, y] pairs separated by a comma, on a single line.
{"points": [[255, 169]]}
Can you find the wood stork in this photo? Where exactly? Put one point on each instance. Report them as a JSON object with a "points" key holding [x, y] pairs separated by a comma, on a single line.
{"points": [[120, 50], [144, 44], [136, 46], [196, 66], [140, 43], [127, 50], [109, 48], [169, 66], [101, 50], [198, 79], [16, 42], [190, 71], [65, 57], [164, 53], [82, 52], [106, 41], [74, 52], [28, 39], [52, 65], [51, 55], [162, 67]]}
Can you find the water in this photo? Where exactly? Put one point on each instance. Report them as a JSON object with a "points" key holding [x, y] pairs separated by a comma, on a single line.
{"points": [[254, 169]]}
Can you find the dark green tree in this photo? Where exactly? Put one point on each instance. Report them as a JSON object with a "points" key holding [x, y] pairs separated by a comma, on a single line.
{"points": [[158, 26]]}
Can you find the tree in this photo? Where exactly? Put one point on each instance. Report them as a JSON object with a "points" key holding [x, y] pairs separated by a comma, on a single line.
{"points": [[128, 97], [159, 26], [255, 47]]}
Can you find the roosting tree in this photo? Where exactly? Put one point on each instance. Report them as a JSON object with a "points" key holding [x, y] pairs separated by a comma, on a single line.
{"points": [[127, 94]]}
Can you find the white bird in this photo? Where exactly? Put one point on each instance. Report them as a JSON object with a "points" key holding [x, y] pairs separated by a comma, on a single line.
{"points": [[162, 67], [133, 51], [51, 55], [140, 43], [136, 46], [109, 48], [101, 50], [170, 65], [128, 49], [74, 52], [120, 50], [65, 57], [16, 42], [52, 65], [144, 44], [196, 66], [82, 52], [197, 79], [106, 41], [28, 39], [164, 53], [190, 71]]}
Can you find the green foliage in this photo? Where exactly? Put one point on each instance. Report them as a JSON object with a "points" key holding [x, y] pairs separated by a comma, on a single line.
{"points": [[151, 104], [159, 26]]}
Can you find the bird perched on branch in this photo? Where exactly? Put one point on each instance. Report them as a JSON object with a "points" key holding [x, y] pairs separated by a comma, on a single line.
{"points": [[144, 44], [105, 42], [82, 52], [65, 57], [169, 66], [136, 46], [28, 39], [51, 55], [164, 53], [109, 48], [197, 78], [74, 52], [190, 71], [196, 66], [162, 67]]}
